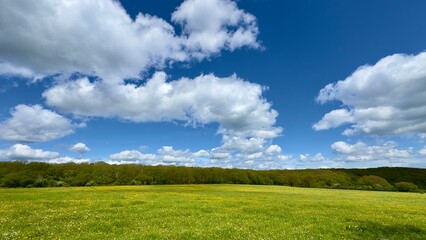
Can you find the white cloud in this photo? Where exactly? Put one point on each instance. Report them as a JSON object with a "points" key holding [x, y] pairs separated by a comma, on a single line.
{"points": [[132, 155], [210, 25], [35, 124], [25, 153], [319, 157], [334, 119], [283, 157], [423, 151], [168, 155], [363, 152], [308, 158], [80, 148], [246, 119], [65, 37], [218, 154], [242, 144], [270, 157], [8, 69], [201, 153], [244, 151], [99, 38], [383, 99], [67, 159], [345, 148], [273, 149], [303, 157], [165, 156], [236, 104]]}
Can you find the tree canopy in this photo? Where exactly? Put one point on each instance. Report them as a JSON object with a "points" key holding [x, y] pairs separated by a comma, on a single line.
{"points": [[37, 174]]}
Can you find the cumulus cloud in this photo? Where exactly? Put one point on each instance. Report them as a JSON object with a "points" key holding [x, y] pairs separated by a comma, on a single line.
{"points": [[236, 104], [246, 119], [210, 25], [168, 155], [334, 119], [201, 153], [132, 155], [83, 36], [319, 157], [165, 156], [35, 124], [245, 145], [26, 153], [253, 152], [270, 157], [80, 148], [273, 149], [22, 152], [361, 151], [308, 158], [99, 38], [386, 98], [66, 159], [218, 155]]}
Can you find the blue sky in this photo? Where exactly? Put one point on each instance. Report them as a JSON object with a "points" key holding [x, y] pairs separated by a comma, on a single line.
{"points": [[250, 84]]}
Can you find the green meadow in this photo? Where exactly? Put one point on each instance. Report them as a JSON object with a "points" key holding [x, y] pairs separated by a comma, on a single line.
{"points": [[209, 212]]}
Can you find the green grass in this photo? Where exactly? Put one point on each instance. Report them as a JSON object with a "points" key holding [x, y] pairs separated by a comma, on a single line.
{"points": [[209, 212]]}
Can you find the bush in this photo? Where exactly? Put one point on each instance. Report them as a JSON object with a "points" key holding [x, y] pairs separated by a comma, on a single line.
{"points": [[373, 182], [135, 182], [91, 183], [17, 179], [11, 182], [143, 179], [59, 184], [41, 182], [406, 187]]}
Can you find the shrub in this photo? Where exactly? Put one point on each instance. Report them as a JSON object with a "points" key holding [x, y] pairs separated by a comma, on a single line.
{"points": [[59, 184], [17, 179], [135, 182], [11, 182], [41, 182], [91, 183], [144, 179], [406, 187], [373, 182]]}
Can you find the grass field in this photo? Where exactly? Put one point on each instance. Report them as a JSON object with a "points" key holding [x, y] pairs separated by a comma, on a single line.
{"points": [[209, 212]]}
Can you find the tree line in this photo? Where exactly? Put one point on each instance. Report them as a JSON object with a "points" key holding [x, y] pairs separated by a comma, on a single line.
{"points": [[38, 174]]}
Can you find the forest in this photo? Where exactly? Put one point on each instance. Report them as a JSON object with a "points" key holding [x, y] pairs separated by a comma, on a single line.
{"points": [[37, 174]]}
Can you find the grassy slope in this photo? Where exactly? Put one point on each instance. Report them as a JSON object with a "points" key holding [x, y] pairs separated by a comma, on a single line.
{"points": [[210, 212]]}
